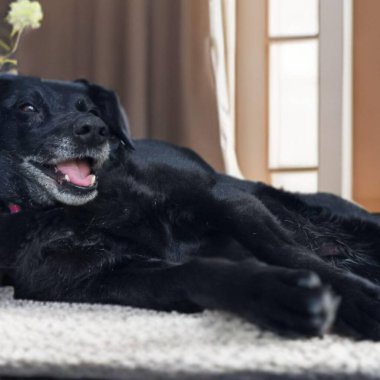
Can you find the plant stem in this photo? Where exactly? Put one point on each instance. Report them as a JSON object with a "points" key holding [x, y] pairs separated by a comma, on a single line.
{"points": [[17, 42], [6, 58]]}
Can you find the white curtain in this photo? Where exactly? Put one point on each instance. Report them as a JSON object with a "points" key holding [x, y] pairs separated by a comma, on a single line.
{"points": [[223, 54]]}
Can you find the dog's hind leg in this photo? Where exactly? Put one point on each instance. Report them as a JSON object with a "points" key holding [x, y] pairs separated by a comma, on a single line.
{"points": [[247, 220]]}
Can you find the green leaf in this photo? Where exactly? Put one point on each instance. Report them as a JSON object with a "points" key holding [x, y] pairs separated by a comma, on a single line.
{"points": [[4, 46], [4, 61]]}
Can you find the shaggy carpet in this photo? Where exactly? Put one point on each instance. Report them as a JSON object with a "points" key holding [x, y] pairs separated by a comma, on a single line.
{"points": [[111, 342]]}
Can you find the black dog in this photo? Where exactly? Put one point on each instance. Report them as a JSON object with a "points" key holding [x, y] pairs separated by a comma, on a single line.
{"points": [[90, 216]]}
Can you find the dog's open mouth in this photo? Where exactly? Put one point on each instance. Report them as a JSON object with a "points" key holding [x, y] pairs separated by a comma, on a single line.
{"points": [[75, 173], [64, 175]]}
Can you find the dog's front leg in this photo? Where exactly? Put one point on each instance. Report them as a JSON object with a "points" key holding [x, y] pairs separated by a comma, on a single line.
{"points": [[287, 301], [247, 220]]}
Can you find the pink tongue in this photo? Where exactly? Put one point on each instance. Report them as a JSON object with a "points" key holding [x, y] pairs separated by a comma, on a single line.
{"points": [[78, 171]]}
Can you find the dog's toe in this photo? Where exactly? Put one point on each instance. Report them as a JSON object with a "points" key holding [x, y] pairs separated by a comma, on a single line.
{"points": [[296, 303]]}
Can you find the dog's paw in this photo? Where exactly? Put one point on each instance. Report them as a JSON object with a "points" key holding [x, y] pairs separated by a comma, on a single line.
{"points": [[291, 302], [359, 312]]}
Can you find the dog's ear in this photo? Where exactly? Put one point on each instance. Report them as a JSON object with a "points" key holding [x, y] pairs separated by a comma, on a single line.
{"points": [[111, 111]]}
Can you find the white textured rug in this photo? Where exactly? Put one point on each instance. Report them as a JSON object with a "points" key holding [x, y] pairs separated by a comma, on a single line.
{"points": [[92, 341]]}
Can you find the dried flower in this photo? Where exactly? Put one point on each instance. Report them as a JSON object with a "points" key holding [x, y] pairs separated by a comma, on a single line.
{"points": [[24, 14]]}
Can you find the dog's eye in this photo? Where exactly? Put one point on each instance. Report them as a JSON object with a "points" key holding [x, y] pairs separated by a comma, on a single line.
{"points": [[81, 105], [27, 107]]}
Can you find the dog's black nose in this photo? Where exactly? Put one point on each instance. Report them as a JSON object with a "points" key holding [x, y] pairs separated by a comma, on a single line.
{"points": [[91, 131]]}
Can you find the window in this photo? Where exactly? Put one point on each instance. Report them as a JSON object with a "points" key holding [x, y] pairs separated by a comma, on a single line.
{"points": [[292, 45], [294, 93]]}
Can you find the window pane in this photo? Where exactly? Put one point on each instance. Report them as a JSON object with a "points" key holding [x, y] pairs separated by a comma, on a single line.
{"points": [[304, 182], [293, 104], [293, 17]]}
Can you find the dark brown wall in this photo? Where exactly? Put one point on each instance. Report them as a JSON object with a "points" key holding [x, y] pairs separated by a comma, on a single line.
{"points": [[367, 103]]}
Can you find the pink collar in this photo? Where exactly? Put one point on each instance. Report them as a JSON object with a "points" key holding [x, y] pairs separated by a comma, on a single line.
{"points": [[14, 208]]}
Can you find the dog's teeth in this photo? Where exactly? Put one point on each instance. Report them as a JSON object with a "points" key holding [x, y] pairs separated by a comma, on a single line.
{"points": [[67, 178], [93, 180]]}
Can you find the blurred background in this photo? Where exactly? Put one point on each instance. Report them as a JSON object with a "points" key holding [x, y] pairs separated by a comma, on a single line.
{"points": [[281, 91]]}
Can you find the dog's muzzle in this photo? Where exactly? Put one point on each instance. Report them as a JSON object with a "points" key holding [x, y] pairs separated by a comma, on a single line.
{"points": [[70, 177]]}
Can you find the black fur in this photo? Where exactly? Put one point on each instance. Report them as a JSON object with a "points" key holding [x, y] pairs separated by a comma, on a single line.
{"points": [[163, 230]]}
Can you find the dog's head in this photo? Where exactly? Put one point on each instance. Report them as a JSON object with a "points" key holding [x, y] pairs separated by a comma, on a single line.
{"points": [[58, 135]]}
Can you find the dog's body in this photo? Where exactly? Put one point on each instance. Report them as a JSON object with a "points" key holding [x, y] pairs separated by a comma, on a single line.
{"points": [[159, 228]]}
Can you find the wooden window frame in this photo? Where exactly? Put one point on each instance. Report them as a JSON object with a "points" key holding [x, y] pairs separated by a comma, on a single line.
{"points": [[335, 93]]}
